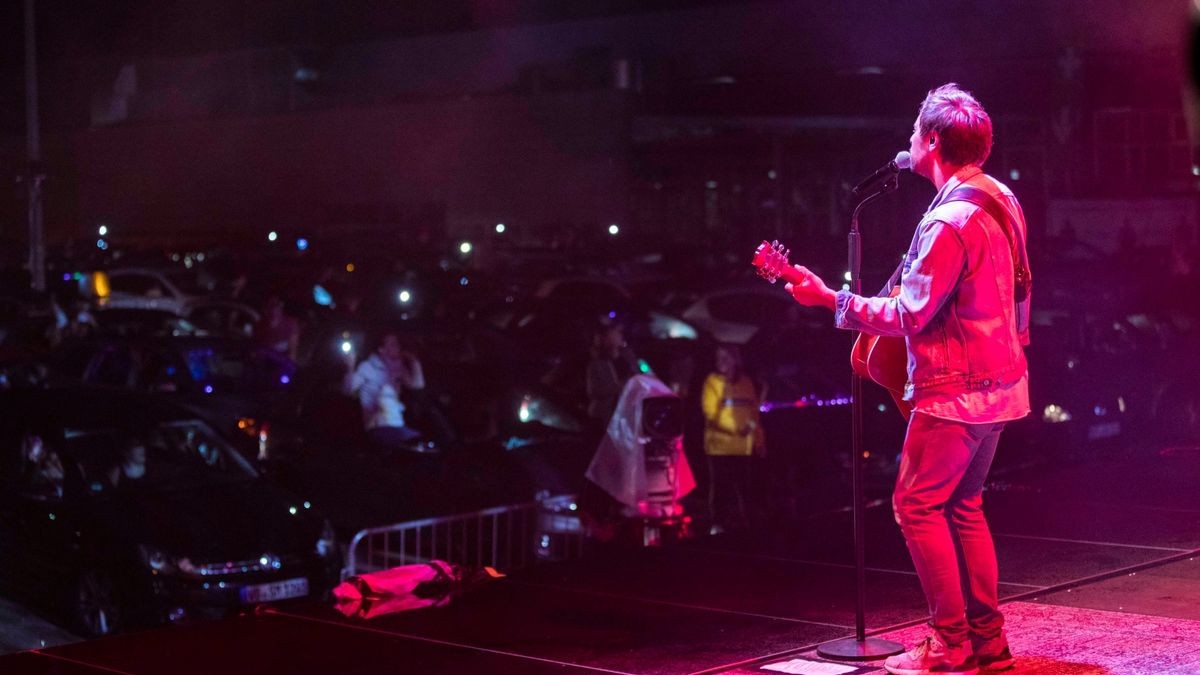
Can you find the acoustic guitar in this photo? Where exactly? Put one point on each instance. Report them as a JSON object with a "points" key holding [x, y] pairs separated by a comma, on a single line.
{"points": [[882, 360]]}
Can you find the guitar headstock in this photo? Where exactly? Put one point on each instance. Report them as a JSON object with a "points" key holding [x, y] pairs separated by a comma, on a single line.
{"points": [[771, 260]]}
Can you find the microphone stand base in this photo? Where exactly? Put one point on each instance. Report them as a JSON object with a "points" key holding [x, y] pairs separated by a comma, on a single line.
{"points": [[853, 649]]}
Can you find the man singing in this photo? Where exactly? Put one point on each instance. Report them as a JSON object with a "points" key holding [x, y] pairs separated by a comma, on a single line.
{"points": [[962, 309]]}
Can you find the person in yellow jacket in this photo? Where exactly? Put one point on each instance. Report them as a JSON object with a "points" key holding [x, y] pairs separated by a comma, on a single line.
{"points": [[733, 438]]}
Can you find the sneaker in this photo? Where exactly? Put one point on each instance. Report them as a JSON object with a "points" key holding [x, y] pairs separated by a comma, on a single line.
{"points": [[993, 655], [931, 655]]}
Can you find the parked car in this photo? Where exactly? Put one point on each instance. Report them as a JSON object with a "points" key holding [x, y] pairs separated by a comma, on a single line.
{"points": [[1101, 375], [141, 288], [736, 313], [1077, 399], [222, 317], [242, 388], [122, 510]]}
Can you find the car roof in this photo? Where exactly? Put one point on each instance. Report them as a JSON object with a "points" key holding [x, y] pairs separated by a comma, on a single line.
{"points": [[82, 408]]}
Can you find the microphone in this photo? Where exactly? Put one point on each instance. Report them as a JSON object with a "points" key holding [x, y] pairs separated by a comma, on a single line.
{"points": [[902, 161]]}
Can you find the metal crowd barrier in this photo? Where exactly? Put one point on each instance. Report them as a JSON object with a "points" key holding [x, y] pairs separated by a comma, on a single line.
{"points": [[504, 537]]}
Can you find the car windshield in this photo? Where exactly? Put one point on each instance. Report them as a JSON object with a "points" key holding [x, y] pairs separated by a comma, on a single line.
{"points": [[173, 456], [225, 368], [189, 283]]}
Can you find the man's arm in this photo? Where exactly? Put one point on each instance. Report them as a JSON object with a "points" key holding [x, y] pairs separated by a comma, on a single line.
{"points": [[352, 380], [710, 403], [926, 286], [412, 376]]}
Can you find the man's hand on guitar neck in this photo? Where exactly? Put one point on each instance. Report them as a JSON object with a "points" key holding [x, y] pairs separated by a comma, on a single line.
{"points": [[809, 290]]}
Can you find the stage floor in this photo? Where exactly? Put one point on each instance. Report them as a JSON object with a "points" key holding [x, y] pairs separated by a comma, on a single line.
{"points": [[1098, 565]]}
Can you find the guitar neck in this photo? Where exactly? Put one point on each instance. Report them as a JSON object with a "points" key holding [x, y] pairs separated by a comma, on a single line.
{"points": [[770, 259], [790, 275]]}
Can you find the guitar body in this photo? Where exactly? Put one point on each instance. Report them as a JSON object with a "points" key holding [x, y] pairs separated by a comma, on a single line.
{"points": [[882, 360]]}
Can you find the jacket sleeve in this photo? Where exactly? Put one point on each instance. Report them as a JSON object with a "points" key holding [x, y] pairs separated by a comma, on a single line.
{"points": [[924, 288], [710, 402]]}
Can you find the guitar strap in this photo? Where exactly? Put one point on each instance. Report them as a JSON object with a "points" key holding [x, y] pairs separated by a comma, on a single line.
{"points": [[969, 193], [981, 198]]}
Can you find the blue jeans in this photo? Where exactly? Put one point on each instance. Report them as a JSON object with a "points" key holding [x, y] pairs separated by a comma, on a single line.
{"points": [[938, 504]]}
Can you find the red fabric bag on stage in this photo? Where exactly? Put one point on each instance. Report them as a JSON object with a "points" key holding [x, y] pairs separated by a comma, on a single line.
{"points": [[407, 587]]}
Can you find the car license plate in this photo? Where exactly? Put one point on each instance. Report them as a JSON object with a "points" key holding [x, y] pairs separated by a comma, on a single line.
{"points": [[1106, 430], [279, 590]]}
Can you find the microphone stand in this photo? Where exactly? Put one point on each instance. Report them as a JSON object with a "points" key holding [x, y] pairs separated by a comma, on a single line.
{"points": [[860, 648]]}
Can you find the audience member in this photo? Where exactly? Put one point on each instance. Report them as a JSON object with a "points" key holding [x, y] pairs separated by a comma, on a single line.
{"points": [[733, 439]]}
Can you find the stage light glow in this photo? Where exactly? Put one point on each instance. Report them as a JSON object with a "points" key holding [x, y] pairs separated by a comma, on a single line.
{"points": [[500, 228], [272, 235], [1015, 174], [614, 229], [404, 297], [349, 267], [302, 244], [102, 230], [465, 248]]}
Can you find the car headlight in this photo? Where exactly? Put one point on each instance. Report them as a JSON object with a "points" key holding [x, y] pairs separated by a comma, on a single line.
{"points": [[1054, 413], [533, 408], [158, 562], [327, 544]]}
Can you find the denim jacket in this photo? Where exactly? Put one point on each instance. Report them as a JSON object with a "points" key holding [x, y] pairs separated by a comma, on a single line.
{"points": [[956, 307]]}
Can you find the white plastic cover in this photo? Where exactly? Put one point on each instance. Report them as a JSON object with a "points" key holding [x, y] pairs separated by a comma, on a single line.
{"points": [[619, 465]]}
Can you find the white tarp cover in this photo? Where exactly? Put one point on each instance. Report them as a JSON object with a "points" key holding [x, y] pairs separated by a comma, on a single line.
{"points": [[619, 466]]}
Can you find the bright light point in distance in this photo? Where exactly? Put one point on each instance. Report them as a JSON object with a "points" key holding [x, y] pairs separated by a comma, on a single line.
{"points": [[349, 267], [500, 228], [465, 247], [346, 346], [272, 235], [103, 230], [302, 244], [1015, 174], [847, 276], [614, 229], [404, 296]]}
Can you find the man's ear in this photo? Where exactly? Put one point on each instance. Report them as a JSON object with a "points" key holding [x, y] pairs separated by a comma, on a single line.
{"points": [[933, 140]]}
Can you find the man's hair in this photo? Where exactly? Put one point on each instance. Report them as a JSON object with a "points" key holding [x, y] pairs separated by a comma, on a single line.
{"points": [[960, 122]]}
